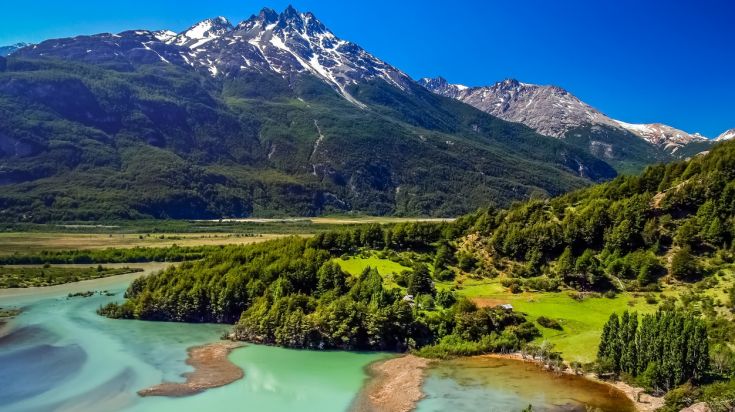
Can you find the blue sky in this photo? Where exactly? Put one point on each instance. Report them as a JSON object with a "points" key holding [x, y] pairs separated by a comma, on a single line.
{"points": [[638, 61]]}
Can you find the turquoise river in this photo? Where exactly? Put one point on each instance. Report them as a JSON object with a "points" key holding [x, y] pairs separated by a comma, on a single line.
{"points": [[59, 355]]}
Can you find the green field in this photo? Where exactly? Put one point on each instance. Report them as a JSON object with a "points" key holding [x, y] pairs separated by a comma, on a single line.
{"points": [[582, 320], [24, 243], [25, 238], [355, 265], [287, 226], [387, 268]]}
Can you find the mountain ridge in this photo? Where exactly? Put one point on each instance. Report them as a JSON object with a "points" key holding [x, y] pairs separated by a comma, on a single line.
{"points": [[553, 111], [274, 116]]}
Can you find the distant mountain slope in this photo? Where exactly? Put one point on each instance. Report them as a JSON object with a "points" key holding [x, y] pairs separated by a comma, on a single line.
{"points": [[669, 138], [550, 110], [272, 116], [553, 111], [6, 50]]}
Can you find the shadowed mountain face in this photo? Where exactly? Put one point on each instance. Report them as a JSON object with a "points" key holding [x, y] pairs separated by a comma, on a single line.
{"points": [[272, 116], [6, 50]]}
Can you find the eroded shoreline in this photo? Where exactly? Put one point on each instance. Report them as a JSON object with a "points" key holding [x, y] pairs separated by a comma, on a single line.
{"points": [[212, 369]]}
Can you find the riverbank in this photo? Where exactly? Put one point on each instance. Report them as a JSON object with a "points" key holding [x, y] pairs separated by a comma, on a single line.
{"points": [[212, 369], [394, 385], [19, 296], [642, 402]]}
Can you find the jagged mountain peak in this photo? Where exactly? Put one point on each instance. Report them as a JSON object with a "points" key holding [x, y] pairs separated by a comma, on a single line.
{"points": [[550, 110], [440, 85], [288, 43], [291, 13], [509, 83], [203, 32]]}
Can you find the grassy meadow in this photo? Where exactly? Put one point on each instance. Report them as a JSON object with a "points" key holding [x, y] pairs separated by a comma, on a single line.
{"points": [[33, 238], [582, 316]]}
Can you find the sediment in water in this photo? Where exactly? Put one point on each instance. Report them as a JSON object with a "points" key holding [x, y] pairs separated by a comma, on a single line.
{"points": [[394, 385], [212, 369]]}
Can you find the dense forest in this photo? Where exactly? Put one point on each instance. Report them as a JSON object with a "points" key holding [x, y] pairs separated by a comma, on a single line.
{"points": [[666, 350], [289, 292]]}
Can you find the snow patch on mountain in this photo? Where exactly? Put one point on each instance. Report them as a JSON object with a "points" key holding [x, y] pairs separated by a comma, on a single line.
{"points": [[726, 136], [662, 135], [202, 32]]}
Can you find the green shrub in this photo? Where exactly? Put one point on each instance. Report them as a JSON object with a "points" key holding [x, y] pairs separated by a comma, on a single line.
{"points": [[549, 323]]}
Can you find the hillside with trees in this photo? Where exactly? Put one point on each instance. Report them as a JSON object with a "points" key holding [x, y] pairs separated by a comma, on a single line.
{"points": [[627, 234], [83, 141], [291, 293]]}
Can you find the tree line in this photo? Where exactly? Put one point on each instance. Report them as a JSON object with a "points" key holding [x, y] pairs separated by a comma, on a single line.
{"points": [[663, 351]]}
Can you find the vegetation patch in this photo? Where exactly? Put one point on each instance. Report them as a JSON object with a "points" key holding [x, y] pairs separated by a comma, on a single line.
{"points": [[22, 277], [549, 323]]}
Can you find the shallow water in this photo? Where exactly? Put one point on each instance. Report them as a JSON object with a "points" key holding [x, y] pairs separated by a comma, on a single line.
{"points": [[502, 385], [59, 355]]}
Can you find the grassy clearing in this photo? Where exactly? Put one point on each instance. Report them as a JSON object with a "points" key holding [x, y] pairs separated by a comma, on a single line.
{"points": [[387, 268], [582, 320], [355, 265]]}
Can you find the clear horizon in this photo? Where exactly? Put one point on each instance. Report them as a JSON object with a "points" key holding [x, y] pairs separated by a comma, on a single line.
{"points": [[660, 62]]}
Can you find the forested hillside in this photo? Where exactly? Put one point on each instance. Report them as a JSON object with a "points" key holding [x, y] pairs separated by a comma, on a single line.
{"points": [[625, 234]]}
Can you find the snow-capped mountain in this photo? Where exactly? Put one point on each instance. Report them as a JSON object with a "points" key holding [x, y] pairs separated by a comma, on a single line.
{"points": [[553, 111], [6, 50], [200, 33], [286, 44], [726, 136]]}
